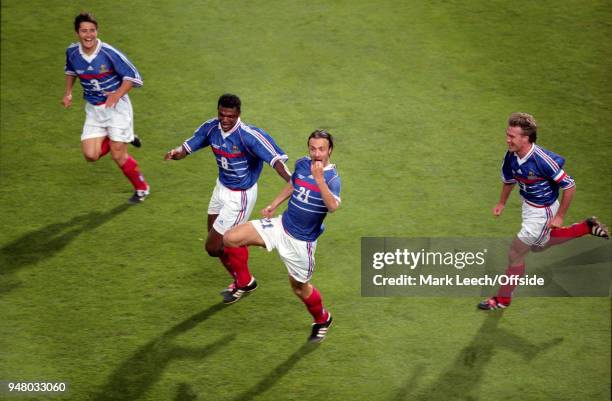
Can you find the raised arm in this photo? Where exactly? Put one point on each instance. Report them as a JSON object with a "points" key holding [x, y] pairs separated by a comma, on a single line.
{"points": [[331, 203]]}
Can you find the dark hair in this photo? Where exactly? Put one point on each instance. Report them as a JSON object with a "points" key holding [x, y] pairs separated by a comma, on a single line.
{"points": [[321, 133], [229, 101], [527, 123], [84, 17]]}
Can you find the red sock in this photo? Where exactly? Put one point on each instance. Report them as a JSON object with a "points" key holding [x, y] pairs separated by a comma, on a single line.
{"points": [[130, 170], [504, 295], [105, 147], [563, 234], [238, 260], [226, 263], [314, 304]]}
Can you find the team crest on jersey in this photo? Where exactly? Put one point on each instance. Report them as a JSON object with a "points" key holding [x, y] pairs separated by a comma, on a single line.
{"points": [[531, 175], [235, 149], [103, 69]]}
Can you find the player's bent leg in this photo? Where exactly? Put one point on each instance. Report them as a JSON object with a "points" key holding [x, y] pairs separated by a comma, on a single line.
{"points": [[129, 167], [214, 243], [93, 148], [314, 303], [516, 268], [243, 235], [518, 251]]}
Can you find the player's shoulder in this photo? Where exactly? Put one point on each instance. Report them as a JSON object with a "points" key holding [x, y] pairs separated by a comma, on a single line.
{"points": [[108, 47], [548, 156], [251, 129], [72, 47], [208, 126], [303, 163], [332, 172]]}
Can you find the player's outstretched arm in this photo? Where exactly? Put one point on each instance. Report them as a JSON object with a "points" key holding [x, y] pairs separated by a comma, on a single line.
{"points": [[503, 198], [177, 153], [283, 195], [282, 170], [67, 99], [566, 200], [331, 203]]}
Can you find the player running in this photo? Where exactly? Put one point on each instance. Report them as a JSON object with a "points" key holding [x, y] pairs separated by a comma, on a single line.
{"points": [[539, 173], [240, 151], [313, 192], [106, 76]]}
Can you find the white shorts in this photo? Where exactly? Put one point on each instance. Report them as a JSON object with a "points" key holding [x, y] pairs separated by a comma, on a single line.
{"points": [[297, 255], [117, 123], [233, 207], [534, 230]]}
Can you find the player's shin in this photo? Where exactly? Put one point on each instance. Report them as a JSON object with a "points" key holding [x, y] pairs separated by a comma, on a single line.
{"points": [[131, 171], [314, 304], [236, 261], [504, 295]]}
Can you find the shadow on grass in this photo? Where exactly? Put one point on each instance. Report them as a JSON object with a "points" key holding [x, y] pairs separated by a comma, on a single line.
{"points": [[578, 262], [278, 372], [137, 374], [41, 244], [460, 380], [185, 393]]}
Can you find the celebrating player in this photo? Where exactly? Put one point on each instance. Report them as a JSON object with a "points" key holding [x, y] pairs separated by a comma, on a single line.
{"points": [[539, 173], [106, 76], [314, 191], [240, 151]]}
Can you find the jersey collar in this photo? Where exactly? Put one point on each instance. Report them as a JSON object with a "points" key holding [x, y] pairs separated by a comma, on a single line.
{"points": [[524, 159], [90, 57], [230, 132]]}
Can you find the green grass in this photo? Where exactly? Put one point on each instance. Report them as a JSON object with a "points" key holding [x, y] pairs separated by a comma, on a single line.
{"points": [[122, 302]]}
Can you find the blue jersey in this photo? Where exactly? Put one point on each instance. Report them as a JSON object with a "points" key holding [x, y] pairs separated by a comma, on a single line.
{"points": [[102, 71], [539, 175], [240, 152], [306, 210]]}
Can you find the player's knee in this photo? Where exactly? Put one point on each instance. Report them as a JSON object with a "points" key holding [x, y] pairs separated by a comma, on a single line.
{"points": [[299, 291], [230, 238], [213, 250], [91, 157], [119, 158]]}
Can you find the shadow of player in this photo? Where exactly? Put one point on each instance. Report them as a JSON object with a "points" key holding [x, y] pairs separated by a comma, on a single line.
{"points": [[460, 380], [44, 243], [273, 377], [136, 375]]}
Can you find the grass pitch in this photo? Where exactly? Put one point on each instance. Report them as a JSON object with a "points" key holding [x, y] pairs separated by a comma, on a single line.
{"points": [[122, 303]]}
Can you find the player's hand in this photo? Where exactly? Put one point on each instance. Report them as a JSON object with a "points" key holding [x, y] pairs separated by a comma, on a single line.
{"points": [[268, 211], [67, 100], [316, 168], [171, 154], [112, 98], [556, 222], [498, 209]]}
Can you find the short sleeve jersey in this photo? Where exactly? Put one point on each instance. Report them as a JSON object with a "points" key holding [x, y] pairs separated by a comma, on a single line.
{"points": [[103, 71], [539, 175], [240, 153], [306, 210]]}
